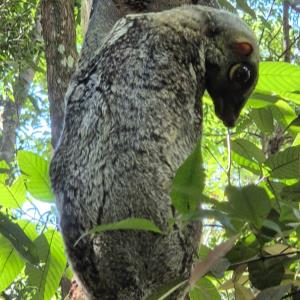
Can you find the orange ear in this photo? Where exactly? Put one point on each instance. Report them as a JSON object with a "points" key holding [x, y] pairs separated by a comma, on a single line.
{"points": [[243, 48]]}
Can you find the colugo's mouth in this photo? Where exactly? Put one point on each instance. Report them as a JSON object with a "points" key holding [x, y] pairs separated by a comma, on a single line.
{"points": [[229, 114]]}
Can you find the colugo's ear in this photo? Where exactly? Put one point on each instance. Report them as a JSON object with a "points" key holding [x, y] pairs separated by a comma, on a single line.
{"points": [[243, 48]]}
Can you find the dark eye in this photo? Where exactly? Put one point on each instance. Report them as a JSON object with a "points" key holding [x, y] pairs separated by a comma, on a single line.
{"points": [[240, 73]]}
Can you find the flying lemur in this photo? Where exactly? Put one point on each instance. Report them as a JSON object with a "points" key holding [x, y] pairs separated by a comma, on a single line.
{"points": [[133, 115]]}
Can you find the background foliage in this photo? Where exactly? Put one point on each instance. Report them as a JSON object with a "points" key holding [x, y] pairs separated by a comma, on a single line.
{"points": [[250, 190]]}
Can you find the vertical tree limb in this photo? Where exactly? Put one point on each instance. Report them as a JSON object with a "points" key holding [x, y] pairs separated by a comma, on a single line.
{"points": [[59, 34]]}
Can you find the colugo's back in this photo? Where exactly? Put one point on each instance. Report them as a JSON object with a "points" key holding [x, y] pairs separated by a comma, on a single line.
{"points": [[133, 115]]}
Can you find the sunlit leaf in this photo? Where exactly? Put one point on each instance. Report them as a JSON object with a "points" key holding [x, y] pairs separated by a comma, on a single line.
{"points": [[204, 290], [45, 277], [247, 150], [285, 164], [188, 183], [281, 78], [11, 263], [19, 240], [13, 196], [4, 168], [263, 119], [35, 168]]}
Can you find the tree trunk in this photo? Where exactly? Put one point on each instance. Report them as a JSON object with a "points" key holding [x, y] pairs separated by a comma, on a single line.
{"points": [[59, 34]]}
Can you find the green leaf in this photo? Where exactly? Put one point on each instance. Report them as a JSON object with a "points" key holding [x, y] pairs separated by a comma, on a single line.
{"points": [[273, 293], [247, 150], [251, 166], [244, 249], [20, 241], [266, 273], [4, 169], [280, 78], [13, 196], [285, 164], [204, 290], [250, 203], [294, 123], [207, 214], [261, 98], [291, 192], [263, 119], [127, 224], [36, 170], [188, 183], [284, 114], [11, 264], [45, 277]]}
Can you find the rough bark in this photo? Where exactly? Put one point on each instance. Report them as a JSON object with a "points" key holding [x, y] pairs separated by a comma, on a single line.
{"points": [[60, 48]]}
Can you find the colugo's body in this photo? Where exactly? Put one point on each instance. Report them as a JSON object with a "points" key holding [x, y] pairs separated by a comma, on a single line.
{"points": [[133, 115]]}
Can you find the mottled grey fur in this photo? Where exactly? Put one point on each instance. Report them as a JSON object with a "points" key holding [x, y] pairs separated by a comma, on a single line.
{"points": [[133, 115]]}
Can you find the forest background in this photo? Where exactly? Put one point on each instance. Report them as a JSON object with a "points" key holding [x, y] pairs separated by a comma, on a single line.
{"points": [[250, 190]]}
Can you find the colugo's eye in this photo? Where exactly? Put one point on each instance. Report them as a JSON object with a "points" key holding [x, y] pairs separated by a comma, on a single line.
{"points": [[240, 73]]}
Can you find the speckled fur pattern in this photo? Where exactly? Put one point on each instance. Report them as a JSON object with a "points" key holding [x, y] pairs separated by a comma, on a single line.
{"points": [[133, 115]]}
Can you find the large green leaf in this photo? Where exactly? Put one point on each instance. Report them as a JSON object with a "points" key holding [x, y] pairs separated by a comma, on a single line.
{"points": [[19, 240], [250, 203], [11, 264], [204, 290], [35, 168], [13, 196], [247, 150], [281, 78], [188, 183], [285, 164], [251, 166], [263, 119], [261, 98], [45, 277], [284, 114]]}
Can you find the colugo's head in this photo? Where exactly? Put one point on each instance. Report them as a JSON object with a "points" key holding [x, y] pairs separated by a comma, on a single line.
{"points": [[231, 64]]}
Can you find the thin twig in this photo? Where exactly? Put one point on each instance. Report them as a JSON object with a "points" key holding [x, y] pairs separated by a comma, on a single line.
{"points": [[249, 261], [228, 171]]}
